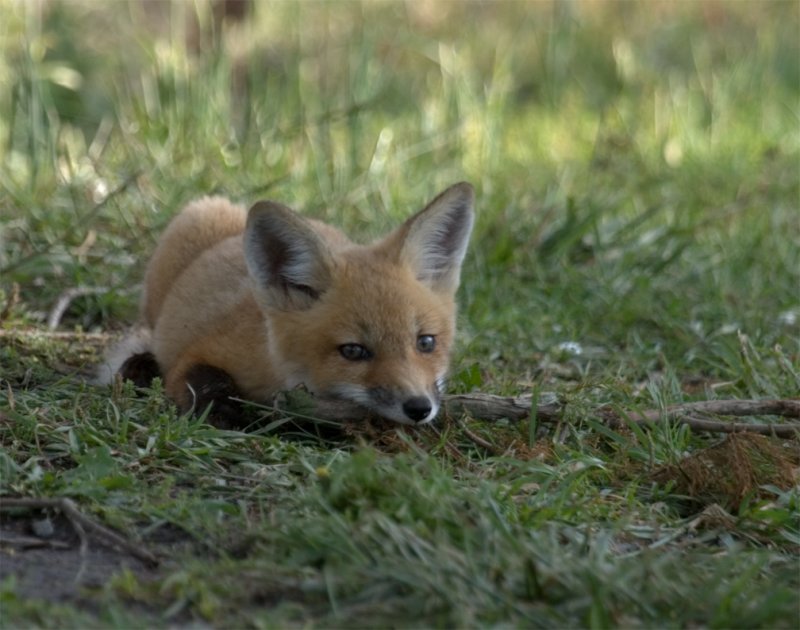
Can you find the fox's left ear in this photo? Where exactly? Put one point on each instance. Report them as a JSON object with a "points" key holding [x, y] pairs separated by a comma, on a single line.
{"points": [[434, 241]]}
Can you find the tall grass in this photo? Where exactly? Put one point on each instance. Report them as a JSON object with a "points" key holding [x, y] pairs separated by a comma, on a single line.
{"points": [[638, 244]]}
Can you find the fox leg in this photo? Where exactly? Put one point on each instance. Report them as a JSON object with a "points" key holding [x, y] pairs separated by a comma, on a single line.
{"points": [[195, 386]]}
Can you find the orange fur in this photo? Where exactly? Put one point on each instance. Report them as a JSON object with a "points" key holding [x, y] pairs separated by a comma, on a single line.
{"points": [[274, 300]]}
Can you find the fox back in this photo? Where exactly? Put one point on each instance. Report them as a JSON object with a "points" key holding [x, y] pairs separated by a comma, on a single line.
{"points": [[244, 304]]}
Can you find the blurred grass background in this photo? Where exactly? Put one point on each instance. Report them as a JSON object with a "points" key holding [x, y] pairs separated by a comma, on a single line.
{"points": [[636, 162], [638, 243]]}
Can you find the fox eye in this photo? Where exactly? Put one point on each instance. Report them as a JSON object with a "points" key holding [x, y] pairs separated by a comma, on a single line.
{"points": [[354, 352], [426, 343]]}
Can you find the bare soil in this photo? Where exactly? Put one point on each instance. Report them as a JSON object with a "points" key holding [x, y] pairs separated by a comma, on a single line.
{"points": [[54, 568]]}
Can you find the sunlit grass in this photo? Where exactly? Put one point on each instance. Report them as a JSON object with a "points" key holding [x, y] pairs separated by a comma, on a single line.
{"points": [[637, 244]]}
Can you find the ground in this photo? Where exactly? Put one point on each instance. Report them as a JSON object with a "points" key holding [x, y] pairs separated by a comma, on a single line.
{"points": [[637, 246]]}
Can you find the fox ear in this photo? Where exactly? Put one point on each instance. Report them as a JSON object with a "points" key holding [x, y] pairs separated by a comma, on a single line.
{"points": [[434, 241], [286, 258]]}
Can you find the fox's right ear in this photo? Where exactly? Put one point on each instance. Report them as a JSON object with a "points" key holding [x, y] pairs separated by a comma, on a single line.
{"points": [[286, 258]]}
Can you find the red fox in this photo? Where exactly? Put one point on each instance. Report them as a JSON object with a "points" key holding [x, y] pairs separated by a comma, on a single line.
{"points": [[242, 304]]}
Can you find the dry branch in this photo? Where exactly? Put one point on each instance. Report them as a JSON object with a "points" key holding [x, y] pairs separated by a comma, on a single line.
{"points": [[687, 413], [80, 523], [787, 408], [65, 299], [697, 415], [25, 334], [477, 439], [30, 542]]}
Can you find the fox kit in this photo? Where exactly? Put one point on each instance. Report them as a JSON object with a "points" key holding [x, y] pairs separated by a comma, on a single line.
{"points": [[243, 304]]}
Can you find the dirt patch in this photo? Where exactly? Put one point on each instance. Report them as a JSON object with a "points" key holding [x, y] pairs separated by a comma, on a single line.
{"points": [[737, 467], [54, 568]]}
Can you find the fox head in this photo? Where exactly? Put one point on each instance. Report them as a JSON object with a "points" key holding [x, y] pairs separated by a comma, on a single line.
{"points": [[371, 324]]}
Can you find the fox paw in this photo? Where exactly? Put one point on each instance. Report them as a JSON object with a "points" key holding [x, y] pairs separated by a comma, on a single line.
{"points": [[210, 385], [140, 369]]}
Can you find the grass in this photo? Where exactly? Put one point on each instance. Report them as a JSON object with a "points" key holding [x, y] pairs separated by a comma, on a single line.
{"points": [[637, 245]]}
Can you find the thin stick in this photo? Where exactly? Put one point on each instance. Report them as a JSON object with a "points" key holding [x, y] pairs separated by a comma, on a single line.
{"points": [[550, 409], [22, 333], [490, 407], [685, 413], [83, 550], [718, 426], [786, 408], [477, 439], [80, 522], [11, 301], [30, 542], [65, 299]]}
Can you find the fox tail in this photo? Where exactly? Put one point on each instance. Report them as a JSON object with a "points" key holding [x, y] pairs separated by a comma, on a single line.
{"points": [[137, 341]]}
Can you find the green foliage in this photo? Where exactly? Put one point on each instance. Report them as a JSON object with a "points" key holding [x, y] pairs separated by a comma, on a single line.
{"points": [[637, 245]]}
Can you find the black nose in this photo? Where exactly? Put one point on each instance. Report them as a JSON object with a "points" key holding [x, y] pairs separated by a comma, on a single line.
{"points": [[417, 408]]}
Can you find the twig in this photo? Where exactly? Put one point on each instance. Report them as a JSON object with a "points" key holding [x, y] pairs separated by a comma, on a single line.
{"points": [[83, 551], [11, 301], [451, 448], [685, 413], [719, 426], [65, 299], [30, 542], [786, 408], [477, 439], [550, 409], [490, 407], [22, 333], [81, 523]]}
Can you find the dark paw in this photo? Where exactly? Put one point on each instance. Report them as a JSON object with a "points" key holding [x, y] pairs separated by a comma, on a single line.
{"points": [[140, 369], [215, 387]]}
